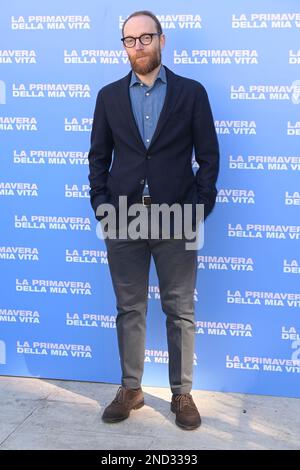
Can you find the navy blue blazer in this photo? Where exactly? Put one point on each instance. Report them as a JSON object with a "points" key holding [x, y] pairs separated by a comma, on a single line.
{"points": [[185, 122]]}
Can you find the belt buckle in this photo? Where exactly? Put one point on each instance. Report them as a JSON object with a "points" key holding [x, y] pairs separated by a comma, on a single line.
{"points": [[144, 200]]}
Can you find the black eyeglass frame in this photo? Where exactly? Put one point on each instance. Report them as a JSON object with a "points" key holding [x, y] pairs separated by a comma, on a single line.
{"points": [[139, 38]]}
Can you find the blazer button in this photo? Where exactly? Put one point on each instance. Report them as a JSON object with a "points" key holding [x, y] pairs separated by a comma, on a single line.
{"points": [[142, 181], [148, 157]]}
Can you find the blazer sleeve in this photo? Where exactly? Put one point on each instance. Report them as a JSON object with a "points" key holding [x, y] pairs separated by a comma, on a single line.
{"points": [[100, 155], [206, 151]]}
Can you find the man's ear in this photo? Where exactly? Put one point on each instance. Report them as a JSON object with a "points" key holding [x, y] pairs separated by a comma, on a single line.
{"points": [[162, 40]]}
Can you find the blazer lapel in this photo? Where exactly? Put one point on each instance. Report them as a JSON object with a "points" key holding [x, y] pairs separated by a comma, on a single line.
{"points": [[125, 99], [170, 101]]}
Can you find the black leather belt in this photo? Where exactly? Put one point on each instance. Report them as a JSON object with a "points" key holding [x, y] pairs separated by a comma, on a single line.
{"points": [[146, 200]]}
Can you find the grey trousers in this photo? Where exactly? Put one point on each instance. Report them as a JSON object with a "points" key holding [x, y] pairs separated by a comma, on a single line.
{"points": [[129, 265]]}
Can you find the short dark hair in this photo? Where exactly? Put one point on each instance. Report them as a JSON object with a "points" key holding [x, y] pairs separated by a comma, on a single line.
{"points": [[144, 13]]}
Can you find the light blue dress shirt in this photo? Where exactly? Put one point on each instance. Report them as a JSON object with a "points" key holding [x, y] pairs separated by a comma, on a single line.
{"points": [[147, 103]]}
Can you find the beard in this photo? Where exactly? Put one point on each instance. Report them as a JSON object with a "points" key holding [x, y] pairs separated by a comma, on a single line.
{"points": [[147, 64]]}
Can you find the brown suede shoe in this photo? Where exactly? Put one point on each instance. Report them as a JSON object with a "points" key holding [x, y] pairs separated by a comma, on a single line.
{"points": [[125, 401], [187, 415]]}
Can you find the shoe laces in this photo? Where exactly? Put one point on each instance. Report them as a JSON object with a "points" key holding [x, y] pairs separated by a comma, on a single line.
{"points": [[119, 396], [184, 399]]}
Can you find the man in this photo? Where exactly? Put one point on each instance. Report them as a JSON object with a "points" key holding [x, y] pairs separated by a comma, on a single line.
{"points": [[152, 119]]}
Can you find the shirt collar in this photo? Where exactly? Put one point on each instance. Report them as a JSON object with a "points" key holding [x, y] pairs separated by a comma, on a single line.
{"points": [[161, 76]]}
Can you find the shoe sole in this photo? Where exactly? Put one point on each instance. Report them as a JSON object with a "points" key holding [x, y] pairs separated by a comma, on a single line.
{"points": [[187, 428], [117, 420]]}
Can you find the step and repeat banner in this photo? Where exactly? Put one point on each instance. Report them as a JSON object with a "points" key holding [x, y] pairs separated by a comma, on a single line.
{"points": [[57, 305]]}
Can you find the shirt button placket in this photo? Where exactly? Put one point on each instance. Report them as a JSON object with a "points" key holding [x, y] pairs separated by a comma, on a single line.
{"points": [[147, 119]]}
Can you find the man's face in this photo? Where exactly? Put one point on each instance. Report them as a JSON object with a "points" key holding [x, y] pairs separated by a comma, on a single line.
{"points": [[143, 59]]}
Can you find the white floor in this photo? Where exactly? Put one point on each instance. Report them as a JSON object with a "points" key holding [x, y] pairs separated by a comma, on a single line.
{"points": [[56, 414]]}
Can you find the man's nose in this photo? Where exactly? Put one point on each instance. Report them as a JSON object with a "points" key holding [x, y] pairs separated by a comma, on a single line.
{"points": [[138, 45]]}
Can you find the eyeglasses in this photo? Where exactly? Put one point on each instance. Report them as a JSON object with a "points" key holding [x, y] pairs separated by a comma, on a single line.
{"points": [[144, 39]]}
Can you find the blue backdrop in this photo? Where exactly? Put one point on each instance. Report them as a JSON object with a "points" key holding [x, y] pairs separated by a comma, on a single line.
{"points": [[57, 311]]}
